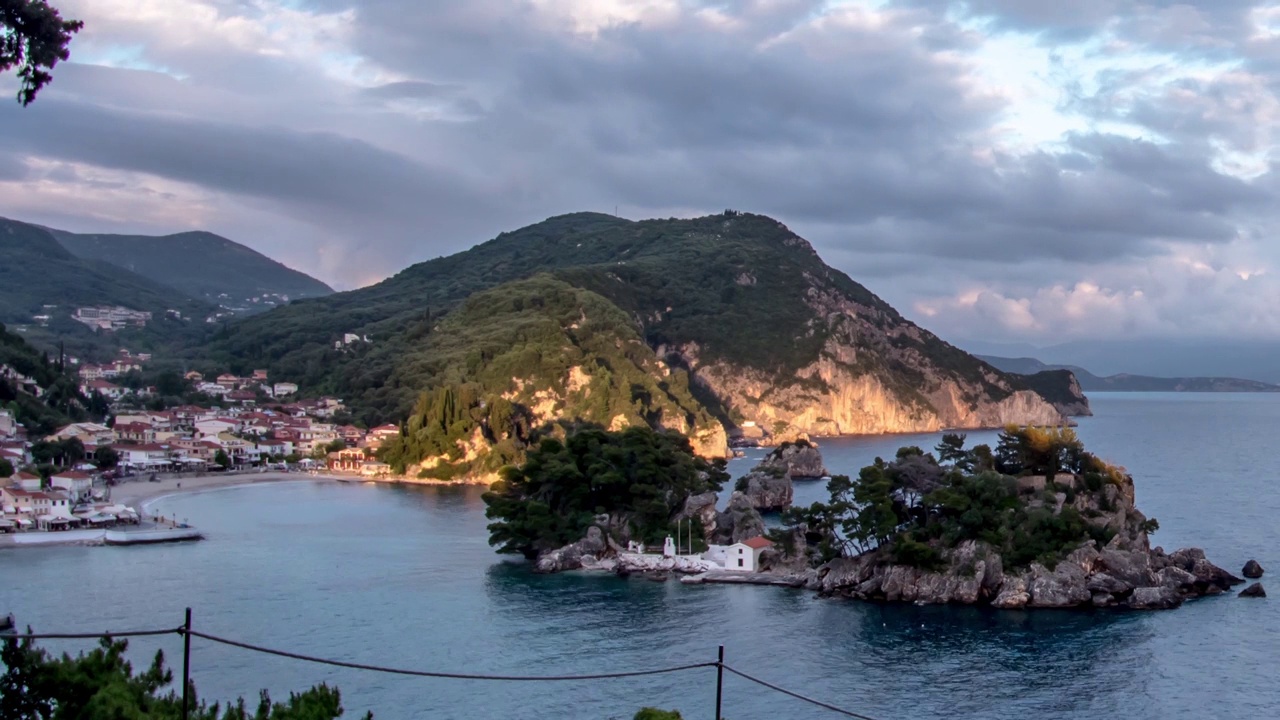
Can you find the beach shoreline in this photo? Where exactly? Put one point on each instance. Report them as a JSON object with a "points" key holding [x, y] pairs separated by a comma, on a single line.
{"points": [[141, 493]]}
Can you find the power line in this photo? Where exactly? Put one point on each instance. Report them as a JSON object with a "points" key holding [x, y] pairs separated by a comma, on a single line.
{"points": [[455, 676], [426, 673], [798, 696], [89, 636]]}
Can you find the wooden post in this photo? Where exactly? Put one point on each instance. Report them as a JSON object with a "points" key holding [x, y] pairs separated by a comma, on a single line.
{"points": [[719, 681], [186, 662]]}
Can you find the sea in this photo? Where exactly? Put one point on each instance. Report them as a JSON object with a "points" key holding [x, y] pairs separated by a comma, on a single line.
{"points": [[404, 577]]}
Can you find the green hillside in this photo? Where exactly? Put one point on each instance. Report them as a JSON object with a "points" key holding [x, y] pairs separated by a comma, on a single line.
{"points": [[40, 277], [201, 265], [735, 284], [530, 353]]}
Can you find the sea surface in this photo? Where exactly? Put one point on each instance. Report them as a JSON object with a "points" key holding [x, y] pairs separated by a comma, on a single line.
{"points": [[403, 577]]}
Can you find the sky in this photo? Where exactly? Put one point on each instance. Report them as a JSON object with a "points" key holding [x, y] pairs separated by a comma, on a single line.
{"points": [[1030, 171]]}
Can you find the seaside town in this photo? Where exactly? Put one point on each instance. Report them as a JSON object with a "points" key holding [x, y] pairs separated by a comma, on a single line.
{"points": [[64, 480]]}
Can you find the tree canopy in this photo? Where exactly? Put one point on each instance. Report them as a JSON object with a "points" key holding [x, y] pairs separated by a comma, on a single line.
{"points": [[33, 38], [640, 476], [914, 506], [101, 685]]}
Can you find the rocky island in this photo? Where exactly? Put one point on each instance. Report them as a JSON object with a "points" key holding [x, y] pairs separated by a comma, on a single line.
{"points": [[1037, 522]]}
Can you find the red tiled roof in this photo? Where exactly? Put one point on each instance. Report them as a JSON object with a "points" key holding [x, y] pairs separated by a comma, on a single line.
{"points": [[757, 543]]}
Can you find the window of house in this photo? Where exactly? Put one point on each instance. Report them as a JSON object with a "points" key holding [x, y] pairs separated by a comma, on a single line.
{"points": [[739, 562]]}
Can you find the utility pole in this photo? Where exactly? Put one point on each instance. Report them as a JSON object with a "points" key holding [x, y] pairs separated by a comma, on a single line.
{"points": [[186, 663], [719, 681]]}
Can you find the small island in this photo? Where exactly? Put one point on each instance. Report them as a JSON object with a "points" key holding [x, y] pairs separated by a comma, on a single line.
{"points": [[1036, 522]]}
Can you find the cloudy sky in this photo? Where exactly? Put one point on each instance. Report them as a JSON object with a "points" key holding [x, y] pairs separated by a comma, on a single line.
{"points": [[1030, 170]]}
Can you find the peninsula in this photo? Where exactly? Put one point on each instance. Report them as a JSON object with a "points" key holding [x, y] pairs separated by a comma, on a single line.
{"points": [[1036, 522]]}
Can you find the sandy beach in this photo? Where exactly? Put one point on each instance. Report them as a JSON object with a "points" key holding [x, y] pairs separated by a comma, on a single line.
{"points": [[138, 493]]}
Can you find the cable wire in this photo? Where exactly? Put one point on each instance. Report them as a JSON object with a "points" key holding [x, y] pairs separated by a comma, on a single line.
{"points": [[455, 676], [88, 636], [798, 696]]}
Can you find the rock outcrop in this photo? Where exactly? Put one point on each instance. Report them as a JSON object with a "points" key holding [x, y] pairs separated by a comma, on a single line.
{"points": [[1254, 590], [738, 522], [570, 557], [767, 488], [800, 459], [1252, 570], [974, 574]]}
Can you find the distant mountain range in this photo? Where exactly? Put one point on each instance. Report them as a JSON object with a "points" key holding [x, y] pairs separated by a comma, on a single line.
{"points": [[201, 265], [40, 277], [1188, 357], [1124, 382]]}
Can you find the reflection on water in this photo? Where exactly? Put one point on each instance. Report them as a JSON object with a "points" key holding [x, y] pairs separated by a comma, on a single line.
{"points": [[404, 576]]}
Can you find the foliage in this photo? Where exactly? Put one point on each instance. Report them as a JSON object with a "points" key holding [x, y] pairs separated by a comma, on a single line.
{"points": [[33, 38], [6, 468], [916, 507], [101, 685], [67, 451], [650, 713], [106, 457], [639, 475], [221, 458], [527, 344]]}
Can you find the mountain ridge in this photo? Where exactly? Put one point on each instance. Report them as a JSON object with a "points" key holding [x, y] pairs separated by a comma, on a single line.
{"points": [[200, 264], [768, 335], [1129, 382]]}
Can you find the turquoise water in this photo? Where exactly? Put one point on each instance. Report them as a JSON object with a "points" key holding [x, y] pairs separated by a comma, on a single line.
{"points": [[403, 576]]}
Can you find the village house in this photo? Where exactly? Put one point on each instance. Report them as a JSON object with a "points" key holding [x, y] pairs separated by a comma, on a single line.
{"points": [[194, 376], [109, 390], [16, 456], [350, 434], [77, 484], [87, 433], [134, 432], [27, 481], [46, 508], [282, 389], [215, 427], [745, 556], [8, 425], [151, 456], [259, 375], [349, 460], [228, 381], [381, 434]]}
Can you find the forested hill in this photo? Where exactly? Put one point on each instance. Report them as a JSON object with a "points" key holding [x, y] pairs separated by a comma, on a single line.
{"points": [[201, 265], [712, 293], [40, 277]]}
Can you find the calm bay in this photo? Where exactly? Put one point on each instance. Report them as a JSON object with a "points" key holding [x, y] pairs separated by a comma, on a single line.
{"points": [[403, 576]]}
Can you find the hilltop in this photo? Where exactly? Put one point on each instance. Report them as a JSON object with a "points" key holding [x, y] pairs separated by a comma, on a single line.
{"points": [[1125, 382], [201, 265], [42, 284], [772, 341]]}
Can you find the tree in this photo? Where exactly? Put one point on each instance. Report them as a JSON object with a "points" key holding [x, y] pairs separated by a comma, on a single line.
{"points": [[640, 476], [101, 685], [6, 468], [222, 458], [106, 457], [33, 38]]}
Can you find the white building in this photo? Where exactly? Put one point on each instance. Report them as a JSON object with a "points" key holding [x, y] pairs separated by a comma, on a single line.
{"points": [[745, 556], [78, 484], [281, 389]]}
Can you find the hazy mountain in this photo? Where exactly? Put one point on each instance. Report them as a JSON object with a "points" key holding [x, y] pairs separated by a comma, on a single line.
{"points": [[201, 265], [1132, 383], [1156, 357]]}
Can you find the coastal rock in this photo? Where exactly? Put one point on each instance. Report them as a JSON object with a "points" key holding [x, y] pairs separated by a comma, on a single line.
{"points": [[1254, 590], [570, 557], [702, 509], [738, 522], [1013, 594], [1154, 598], [800, 459], [1252, 570], [1064, 586], [767, 488]]}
